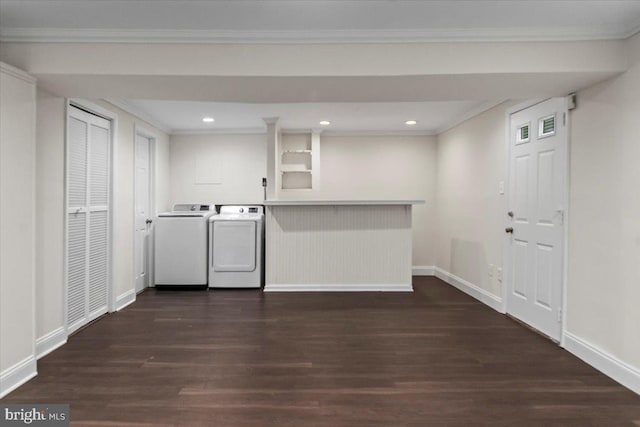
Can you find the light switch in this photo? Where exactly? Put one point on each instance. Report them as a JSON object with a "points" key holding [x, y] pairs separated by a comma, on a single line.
{"points": [[501, 187]]}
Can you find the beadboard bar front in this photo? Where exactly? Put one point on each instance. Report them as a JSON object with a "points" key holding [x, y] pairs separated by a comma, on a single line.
{"points": [[338, 246]]}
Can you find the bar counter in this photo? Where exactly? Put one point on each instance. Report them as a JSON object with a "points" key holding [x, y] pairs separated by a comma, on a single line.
{"points": [[338, 245]]}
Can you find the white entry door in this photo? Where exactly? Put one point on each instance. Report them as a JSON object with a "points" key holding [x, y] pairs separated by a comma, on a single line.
{"points": [[88, 206], [142, 220], [537, 205]]}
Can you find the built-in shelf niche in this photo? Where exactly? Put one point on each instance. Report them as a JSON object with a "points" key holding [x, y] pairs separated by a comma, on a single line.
{"points": [[299, 160]]}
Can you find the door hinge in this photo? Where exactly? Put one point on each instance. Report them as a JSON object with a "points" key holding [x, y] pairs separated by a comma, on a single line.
{"points": [[559, 315], [564, 119]]}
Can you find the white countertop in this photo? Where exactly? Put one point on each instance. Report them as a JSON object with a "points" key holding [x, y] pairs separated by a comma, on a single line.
{"points": [[340, 202]]}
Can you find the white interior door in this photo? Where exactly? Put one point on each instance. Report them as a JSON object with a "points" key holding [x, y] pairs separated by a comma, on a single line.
{"points": [[537, 204], [88, 204], [142, 218]]}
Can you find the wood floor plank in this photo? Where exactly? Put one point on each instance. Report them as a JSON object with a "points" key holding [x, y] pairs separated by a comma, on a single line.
{"points": [[434, 357]]}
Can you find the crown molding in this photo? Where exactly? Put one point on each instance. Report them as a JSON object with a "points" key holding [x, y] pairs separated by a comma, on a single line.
{"points": [[262, 131], [296, 131], [16, 72], [220, 131], [634, 29], [468, 115], [92, 35], [142, 115], [425, 132]]}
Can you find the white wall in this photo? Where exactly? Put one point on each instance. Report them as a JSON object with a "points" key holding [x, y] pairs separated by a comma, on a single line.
{"points": [[123, 274], [470, 210], [17, 227], [352, 167], [50, 134], [50, 204], [218, 169], [382, 167], [603, 304], [604, 215]]}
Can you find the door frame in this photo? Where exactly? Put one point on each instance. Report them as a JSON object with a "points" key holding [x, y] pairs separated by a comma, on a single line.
{"points": [[152, 136], [113, 120], [506, 205]]}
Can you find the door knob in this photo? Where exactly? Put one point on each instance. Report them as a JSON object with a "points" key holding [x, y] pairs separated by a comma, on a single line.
{"points": [[509, 229], [148, 221], [510, 213]]}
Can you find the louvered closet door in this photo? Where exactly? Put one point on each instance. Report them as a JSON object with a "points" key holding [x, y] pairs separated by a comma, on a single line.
{"points": [[88, 149]]}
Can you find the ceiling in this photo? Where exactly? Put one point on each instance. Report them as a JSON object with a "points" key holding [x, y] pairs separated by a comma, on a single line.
{"points": [[359, 88], [270, 21], [376, 117]]}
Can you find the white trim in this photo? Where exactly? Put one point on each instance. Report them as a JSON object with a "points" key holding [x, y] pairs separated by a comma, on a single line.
{"points": [[17, 73], [263, 131], [485, 106], [51, 341], [34, 203], [625, 374], [111, 35], [93, 108], [220, 131], [271, 120], [300, 131], [139, 113], [469, 288], [152, 137], [18, 374], [565, 261], [125, 299], [425, 132], [423, 270], [341, 202], [400, 287]]}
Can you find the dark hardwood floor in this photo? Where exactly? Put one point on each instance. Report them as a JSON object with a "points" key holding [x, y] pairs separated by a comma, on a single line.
{"points": [[244, 358]]}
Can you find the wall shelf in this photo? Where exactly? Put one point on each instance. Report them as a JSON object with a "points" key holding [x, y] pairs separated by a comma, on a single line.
{"points": [[297, 171], [296, 152], [298, 161]]}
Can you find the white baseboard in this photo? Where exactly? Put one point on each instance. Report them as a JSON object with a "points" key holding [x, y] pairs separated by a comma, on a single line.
{"points": [[423, 270], [125, 299], [49, 342], [625, 374], [401, 287], [469, 288], [16, 375]]}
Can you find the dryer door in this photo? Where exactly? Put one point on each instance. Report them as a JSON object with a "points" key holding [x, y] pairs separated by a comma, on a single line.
{"points": [[234, 245]]}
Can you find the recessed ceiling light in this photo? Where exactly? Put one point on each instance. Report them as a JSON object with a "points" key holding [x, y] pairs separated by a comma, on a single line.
{"points": [[325, 123], [208, 120], [410, 122]]}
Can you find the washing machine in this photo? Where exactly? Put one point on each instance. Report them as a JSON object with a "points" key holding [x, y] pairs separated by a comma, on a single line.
{"points": [[236, 238], [181, 245]]}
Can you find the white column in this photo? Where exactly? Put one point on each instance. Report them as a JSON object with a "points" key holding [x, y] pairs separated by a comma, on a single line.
{"points": [[315, 160], [273, 163]]}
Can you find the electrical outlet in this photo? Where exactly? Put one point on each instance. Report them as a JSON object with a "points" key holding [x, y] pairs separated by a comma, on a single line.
{"points": [[500, 275]]}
